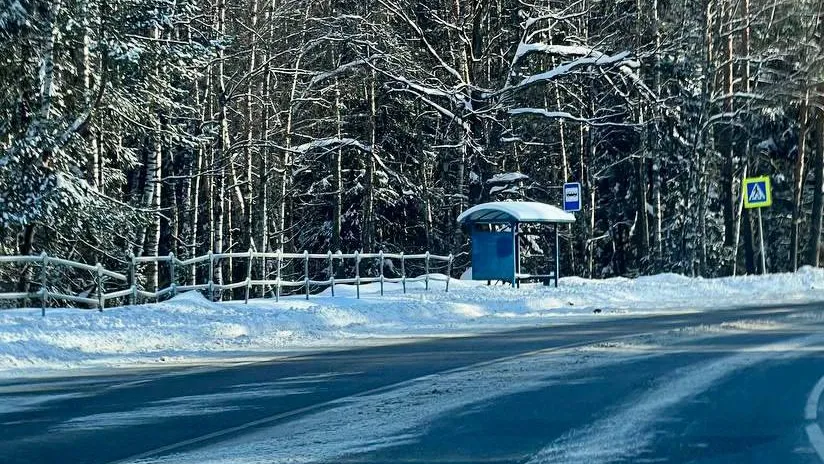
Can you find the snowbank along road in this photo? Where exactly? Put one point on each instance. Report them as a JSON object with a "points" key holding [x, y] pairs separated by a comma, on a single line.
{"points": [[189, 328]]}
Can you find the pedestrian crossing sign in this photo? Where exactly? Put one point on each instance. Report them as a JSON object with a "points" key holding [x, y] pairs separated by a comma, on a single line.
{"points": [[757, 192]]}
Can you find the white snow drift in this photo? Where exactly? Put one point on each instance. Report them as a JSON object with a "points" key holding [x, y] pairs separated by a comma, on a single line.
{"points": [[190, 327]]}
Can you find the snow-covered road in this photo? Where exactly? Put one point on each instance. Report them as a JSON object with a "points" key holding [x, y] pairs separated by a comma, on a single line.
{"points": [[664, 387]]}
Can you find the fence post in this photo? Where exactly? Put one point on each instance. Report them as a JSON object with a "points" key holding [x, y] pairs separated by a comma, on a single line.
{"points": [[426, 270], [264, 273], [448, 272], [211, 276], [279, 260], [381, 274], [132, 280], [306, 272], [44, 283], [357, 274], [248, 276], [403, 272], [331, 271], [172, 276], [101, 302]]}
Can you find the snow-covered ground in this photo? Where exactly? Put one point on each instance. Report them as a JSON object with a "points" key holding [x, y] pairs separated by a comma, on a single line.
{"points": [[189, 327]]}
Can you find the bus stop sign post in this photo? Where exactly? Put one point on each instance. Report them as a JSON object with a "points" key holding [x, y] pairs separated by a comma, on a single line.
{"points": [[757, 194]]}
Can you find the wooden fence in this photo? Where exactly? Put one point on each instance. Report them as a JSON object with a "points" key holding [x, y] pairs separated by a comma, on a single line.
{"points": [[130, 291]]}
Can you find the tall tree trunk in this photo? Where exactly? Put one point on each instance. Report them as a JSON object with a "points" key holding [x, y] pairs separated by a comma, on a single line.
{"points": [[44, 115], [248, 219], [642, 224], [153, 181], [814, 245], [263, 184], [222, 156], [93, 175], [657, 207], [25, 248], [368, 231], [703, 194], [337, 176], [287, 156], [799, 177], [728, 171]]}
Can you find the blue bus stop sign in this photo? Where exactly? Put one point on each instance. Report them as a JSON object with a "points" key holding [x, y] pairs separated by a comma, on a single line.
{"points": [[572, 196]]}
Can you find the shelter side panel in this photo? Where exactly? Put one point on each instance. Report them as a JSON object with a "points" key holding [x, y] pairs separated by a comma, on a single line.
{"points": [[493, 255]]}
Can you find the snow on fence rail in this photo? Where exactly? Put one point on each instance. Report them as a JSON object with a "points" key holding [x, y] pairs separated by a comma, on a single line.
{"points": [[132, 289]]}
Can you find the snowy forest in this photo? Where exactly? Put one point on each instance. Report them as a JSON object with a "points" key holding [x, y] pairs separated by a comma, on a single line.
{"points": [[187, 126]]}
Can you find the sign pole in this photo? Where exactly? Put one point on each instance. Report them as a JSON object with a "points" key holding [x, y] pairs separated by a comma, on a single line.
{"points": [[758, 194], [761, 239]]}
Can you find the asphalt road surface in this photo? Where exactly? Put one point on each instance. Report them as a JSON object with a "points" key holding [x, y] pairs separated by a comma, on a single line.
{"points": [[740, 395]]}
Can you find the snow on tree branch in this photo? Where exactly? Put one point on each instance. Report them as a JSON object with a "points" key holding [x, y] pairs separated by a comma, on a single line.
{"points": [[564, 115], [584, 56], [331, 142], [346, 67]]}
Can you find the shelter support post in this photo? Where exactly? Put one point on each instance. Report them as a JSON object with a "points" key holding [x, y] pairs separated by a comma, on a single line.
{"points": [[517, 267], [557, 256]]}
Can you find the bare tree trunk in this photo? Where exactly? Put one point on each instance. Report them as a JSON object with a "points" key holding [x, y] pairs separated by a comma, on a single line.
{"points": [[799, 176], [703, 193], [463, 62], [287, 158], [229, 238], [727, 172], [93, 175], [814, 245], [642, 226], [337, 176], [149, 236], [588, 230], [25, 248], [156, 164], [210, 165], [153, 176], [368, 231], [44, 115], [248, 218], [657, 206], [263, 184], [223, 146], [193, 208]]}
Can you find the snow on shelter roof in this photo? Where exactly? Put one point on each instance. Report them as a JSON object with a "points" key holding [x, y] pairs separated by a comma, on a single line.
{"points": [[516, 211]]}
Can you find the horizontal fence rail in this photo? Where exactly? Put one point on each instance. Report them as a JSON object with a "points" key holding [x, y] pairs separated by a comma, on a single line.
{"points": [[127, 288]]}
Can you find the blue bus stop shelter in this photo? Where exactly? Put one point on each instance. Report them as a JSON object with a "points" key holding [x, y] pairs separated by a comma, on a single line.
{"points": [[496, 231]]}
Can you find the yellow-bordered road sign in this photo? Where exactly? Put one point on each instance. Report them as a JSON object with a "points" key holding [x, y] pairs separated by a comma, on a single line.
{"points": [[757, 192]]}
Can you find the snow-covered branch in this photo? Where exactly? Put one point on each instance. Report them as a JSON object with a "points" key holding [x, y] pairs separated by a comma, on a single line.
{"points": [[346, 67], [600, 60], [583, 56], [332, 142], [564, 115]]}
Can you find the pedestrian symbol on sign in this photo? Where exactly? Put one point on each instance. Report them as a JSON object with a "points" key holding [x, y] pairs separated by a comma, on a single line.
{"points": [[757, 192]]}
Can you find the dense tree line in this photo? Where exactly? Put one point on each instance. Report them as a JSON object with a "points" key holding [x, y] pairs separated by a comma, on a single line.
{"points": [[155, 126]]}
